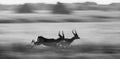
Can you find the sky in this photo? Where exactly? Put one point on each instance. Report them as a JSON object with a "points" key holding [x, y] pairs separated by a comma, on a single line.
{"points": [[54, 1]]}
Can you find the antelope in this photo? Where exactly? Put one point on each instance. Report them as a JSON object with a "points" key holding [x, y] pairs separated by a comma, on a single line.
{"points": [[46, 41], [68, 41], [61, 41]]}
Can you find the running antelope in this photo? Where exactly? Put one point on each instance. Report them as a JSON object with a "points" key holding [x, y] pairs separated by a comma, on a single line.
{"points": [[67, 41], [46, 41]]}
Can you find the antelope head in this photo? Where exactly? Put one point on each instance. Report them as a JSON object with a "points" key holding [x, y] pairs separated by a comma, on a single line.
{"points": [[75, 35]]}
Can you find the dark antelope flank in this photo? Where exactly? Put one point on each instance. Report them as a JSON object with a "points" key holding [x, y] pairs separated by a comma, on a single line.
{"points": [[48, 41]]}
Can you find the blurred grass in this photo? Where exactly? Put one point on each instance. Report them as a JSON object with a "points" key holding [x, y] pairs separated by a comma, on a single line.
{"points": [[85, 51], [76, 16]]}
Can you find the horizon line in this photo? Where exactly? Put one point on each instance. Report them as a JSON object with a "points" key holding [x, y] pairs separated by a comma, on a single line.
{"points": [[56, 2]]}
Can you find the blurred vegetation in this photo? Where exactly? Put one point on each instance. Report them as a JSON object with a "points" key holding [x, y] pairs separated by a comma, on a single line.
{"points": [[60, 8], [72, 6], [60, 12], [25, 8]]}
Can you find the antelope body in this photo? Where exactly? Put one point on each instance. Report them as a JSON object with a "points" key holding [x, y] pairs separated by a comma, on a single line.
{"points": [[61, 41], [47, 42]]}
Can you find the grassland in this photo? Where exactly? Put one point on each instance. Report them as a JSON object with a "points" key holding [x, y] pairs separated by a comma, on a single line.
{"points": [[99, 32], [22, 51], [15, 40]]}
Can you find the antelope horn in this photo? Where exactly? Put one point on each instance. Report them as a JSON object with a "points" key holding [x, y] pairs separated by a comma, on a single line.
{"points": [[59, 33], [63, 34], [73, 32], [76, 32]]}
